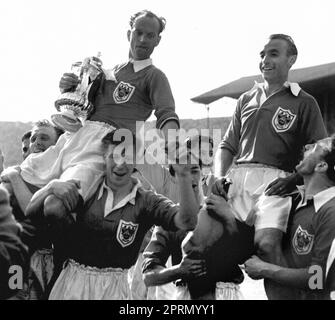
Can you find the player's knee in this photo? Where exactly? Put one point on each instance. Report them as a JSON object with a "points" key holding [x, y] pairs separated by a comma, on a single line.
{"points": [[190, 247], [54, 208]]}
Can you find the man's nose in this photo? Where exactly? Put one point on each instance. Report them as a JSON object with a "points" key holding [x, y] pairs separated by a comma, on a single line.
{"points": [[120, 163], [265, 59], [142, 38]]}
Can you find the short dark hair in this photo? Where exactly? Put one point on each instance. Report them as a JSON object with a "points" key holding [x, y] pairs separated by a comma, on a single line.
{"points": [[48, 124], [329, 157], [291, 47], [199, 139], [147, 13], [26, 135]]}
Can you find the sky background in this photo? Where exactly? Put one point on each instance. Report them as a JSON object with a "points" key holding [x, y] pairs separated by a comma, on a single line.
{"points": [[206, 44]]}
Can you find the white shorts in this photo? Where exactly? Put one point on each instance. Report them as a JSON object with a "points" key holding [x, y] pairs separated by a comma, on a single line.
{"points": [[247, 199], [137, 286], [75, 156], [79, 282], [228, 291], [223, 291]]}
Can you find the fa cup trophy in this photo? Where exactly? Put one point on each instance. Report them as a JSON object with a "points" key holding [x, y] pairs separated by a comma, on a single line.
{"points": [[74, 107]]}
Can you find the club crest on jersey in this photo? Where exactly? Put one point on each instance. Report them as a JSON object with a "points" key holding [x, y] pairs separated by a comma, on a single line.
{"points": [[283, 119], [126, 232], [123, 92], [302, 241]]}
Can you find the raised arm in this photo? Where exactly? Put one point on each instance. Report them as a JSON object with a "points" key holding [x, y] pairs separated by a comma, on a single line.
{"points": [[186, 218]]}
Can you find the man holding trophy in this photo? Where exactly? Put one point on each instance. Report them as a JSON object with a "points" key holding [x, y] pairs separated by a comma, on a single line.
{"points": [[75, 106], [120, 97]]}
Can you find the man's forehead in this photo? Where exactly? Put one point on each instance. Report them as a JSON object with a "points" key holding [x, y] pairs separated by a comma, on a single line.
{"points": [[42, 130], [275, 44], [146, 21]]}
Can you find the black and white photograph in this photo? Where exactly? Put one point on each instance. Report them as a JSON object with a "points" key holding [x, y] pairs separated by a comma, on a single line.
{"points": [[173, 153]]}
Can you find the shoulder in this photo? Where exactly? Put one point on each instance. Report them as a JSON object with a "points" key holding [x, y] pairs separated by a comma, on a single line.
{"points": [[119, 66], [325, 217], [144, 196], [153, 71], [248, 95], [328, 209], [149, 195], [308, 99], [142, 192]]}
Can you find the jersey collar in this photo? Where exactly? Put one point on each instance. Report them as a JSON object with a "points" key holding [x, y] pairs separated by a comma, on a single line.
{"points": [[110, 197], [319, 199], [140, 64], [322, 197], [293, 86]]}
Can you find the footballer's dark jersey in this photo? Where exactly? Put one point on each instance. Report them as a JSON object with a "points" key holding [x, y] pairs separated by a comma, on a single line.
{"points": [[115, 240], [275, 131], [307, 244], [133, 97]]}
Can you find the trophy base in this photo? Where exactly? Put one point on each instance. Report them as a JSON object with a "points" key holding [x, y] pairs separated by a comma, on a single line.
{"points": [[66, 123]]}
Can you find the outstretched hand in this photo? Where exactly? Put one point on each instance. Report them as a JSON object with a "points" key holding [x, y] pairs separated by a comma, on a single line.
{"points": [[254, 267], [9, 173], [190, 268], [67, 191], [281, 186], [68, 82], [221, 186], [184, 163], [219, 207]]}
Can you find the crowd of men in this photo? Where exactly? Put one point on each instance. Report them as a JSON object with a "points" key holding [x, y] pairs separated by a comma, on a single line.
{"points": [[83, 218]]}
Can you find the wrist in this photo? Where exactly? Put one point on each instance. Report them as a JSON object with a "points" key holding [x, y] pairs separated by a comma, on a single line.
{"points": [[50, 187], [179, 271], [269, 270]]}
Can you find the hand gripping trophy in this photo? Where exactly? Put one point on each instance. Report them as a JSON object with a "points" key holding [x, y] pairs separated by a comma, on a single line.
{"points": [[74, 107]]}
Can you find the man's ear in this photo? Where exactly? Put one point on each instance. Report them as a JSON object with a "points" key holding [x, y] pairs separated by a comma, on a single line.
{"points": [[292, 60], [128, 35], [321, 167], [158, 40]]}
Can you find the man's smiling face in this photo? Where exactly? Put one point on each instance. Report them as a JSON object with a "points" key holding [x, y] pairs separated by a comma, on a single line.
{"points": [[275, 62], [119, 166]]}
